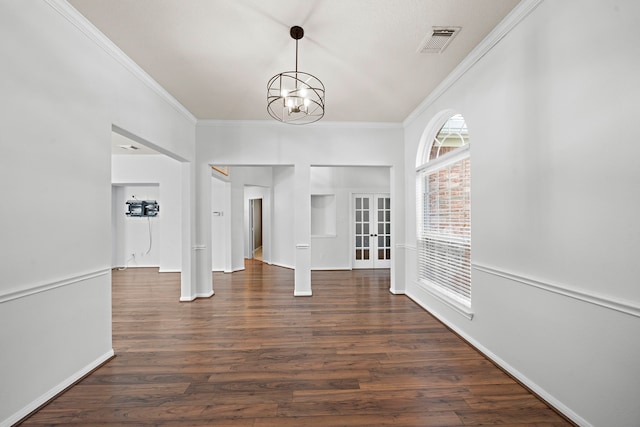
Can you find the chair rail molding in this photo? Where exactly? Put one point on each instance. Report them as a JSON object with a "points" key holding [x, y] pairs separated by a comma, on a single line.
{"points": [[582, 295], [24, 291]]}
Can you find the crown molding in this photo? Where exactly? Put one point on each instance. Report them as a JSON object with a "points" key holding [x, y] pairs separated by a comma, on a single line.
{"points": [[524, 8], [325, 124], [521, 11], [94, 34]]}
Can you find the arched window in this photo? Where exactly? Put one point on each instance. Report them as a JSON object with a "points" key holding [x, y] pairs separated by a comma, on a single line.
{"points": [[444, 213]]}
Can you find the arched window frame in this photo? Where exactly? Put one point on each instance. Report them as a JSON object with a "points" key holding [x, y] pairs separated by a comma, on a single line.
{"points": [[444, 253]]}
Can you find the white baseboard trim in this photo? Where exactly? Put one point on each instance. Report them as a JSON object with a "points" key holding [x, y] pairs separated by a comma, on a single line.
{"points": [[331, 269], [16, 293], [131, 267], [551, 400], [56, 390], [206, 295], [396, 291], [302, 293], [169, 270], [189, 298], [283, 266], [144, 266]]}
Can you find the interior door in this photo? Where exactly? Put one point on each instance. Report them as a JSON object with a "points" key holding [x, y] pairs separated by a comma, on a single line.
{"points": [[372, 231]]}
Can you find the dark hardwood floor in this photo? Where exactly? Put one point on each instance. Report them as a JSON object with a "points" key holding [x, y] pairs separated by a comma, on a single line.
{"points": [[255, 355]]}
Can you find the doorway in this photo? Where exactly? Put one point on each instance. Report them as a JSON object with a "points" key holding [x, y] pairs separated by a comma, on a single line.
{"points": [[140, 172], [372, 231], [255, 225]]}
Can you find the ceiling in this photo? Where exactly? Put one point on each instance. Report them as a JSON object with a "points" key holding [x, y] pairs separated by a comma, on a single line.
{"points": [[216, 56]]}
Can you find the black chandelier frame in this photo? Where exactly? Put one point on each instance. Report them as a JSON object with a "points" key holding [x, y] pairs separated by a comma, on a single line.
{"points": [[295, 97]]}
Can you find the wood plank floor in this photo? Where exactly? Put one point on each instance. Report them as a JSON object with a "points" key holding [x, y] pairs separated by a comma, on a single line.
{"points": [[255, 355]]}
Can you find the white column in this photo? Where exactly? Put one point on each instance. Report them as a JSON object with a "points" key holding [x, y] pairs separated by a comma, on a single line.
{"points": [[228, 236], [396, 179], [302, 227], [187, 277], [202, 248]]}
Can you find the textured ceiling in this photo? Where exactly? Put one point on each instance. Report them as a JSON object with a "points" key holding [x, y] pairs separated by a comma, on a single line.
{"points": [[216, 56]]}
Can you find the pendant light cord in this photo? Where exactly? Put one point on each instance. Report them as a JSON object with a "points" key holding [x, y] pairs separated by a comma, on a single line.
{"points": [[296, 63]]}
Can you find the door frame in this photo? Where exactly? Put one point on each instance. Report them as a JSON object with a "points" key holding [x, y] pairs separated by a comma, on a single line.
{"points": [[252, 225], [373, 224]]}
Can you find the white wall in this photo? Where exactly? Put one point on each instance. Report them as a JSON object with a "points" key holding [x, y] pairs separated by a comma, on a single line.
{"points": [[554, 216], [276, 144], [62, 92], [220, 225], [165, 172], [335, 252], [283, 243], [117, 224], [139, 240]]}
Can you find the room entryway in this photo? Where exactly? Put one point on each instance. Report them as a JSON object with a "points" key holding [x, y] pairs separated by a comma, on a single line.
{"points": [[255, 219], [372, 231]]}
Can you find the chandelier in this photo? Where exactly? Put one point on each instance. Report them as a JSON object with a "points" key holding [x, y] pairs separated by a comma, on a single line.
{"points": [[293, 96]]}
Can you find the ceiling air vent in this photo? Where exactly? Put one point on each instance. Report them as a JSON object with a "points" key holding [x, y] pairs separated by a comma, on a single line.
{"points": [[438, 40]]}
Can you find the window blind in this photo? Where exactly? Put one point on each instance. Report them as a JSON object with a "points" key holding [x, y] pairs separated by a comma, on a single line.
{"points": [[444, 234]]}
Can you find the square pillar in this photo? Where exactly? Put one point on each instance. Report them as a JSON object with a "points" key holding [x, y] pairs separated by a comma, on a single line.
{"points": [[302, 229]]}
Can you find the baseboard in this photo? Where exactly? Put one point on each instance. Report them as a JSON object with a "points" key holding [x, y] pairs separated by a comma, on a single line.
{"points": [[131, 267], [277, 264], [206, 295], [194, 297], [506, 367], [57, 390], [302, 293], [169, 270], [331, 269]]}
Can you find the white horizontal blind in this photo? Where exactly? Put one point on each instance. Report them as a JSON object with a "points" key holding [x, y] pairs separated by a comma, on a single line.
{"points": [[444, 230]]}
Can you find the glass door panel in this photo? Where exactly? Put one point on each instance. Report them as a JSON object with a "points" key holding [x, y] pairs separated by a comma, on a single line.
{"points": [[372, 231]]}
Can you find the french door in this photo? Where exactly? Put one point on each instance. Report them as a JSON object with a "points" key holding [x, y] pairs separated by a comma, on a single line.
{"points": [[372, 231]]}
